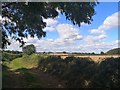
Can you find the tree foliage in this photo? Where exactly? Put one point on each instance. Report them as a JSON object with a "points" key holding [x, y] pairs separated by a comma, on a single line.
{"points": [[114, 51], [83, 72], [21, 19], [102, 53], [29, 49]]}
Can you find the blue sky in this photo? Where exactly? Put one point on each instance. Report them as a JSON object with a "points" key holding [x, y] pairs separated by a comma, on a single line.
{"points": [[103, 10], [62, 35]]}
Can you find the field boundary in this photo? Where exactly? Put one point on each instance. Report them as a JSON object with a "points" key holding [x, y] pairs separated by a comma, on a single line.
{"points": [[96, 58]]}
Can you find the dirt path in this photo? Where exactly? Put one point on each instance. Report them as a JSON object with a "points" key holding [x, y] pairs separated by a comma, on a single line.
{"points": [[47, 80], [31, 78]]}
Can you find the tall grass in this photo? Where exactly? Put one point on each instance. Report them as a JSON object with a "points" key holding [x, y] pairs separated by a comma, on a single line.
{"points": [[26, 61]]}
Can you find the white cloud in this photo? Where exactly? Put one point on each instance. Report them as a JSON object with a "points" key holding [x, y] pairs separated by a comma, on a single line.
{"points": [[109, 23], [49, 29], [97, 47], [94, 39], [84, 24], [68, 32], [50, 21], [51, 24], [61, 45], [14, 45], [97, 31], [30, 39], [69, 37], [100, 34]]}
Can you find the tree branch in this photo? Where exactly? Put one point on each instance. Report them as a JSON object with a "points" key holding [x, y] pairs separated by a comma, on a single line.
{"points": [[7, 5]]}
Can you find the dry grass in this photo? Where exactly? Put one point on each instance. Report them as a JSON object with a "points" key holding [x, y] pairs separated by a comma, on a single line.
{"points": [[96, 58]]}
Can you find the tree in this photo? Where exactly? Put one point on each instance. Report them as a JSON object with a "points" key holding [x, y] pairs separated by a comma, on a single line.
{"points": [[29, 49], [113, 51], [102, 53], [64, 52], [93, 53], [21, 19]]}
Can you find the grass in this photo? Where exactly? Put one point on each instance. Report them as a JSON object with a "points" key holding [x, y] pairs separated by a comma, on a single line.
{"points": [[7, 81], [19, 68], [20, 73], [30, 79], [26, 61], [21, 65], [24, 79]]}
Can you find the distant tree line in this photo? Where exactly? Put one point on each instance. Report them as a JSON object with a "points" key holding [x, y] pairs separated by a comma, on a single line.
{"points": [[30, 49], [93, 53], [13, 52]]}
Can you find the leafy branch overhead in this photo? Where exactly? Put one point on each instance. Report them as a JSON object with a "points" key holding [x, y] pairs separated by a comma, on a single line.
{"points": [[21, 19]]}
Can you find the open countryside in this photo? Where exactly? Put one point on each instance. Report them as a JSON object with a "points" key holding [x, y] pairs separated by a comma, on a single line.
{"points": [[59, 45], [59, 70]]}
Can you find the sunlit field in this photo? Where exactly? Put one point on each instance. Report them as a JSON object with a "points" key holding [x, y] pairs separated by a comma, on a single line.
{"points": [[62, 44], [48, 71]]}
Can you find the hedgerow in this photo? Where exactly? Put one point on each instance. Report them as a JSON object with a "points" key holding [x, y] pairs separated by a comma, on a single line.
{"points": [[83, 72]]}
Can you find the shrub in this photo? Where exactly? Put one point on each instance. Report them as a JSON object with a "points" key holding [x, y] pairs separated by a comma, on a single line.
{"points": [[82, 72], [9, 56]]}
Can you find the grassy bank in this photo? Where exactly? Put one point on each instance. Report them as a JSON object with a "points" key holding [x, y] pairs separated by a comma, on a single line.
{"points": [[77, 72], [26, 61]]}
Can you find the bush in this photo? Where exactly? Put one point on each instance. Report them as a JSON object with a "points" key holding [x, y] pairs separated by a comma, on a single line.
{"points": [[82, 72], [9, 56]]}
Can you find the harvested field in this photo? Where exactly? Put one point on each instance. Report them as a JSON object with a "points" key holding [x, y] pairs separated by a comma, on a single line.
{"points": [[99, 58], [96, 58]]}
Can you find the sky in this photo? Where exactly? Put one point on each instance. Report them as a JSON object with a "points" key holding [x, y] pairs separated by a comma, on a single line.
{"points": [[62, 35]]}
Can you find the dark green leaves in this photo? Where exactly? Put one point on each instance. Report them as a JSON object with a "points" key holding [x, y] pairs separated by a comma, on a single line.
{"points": [[27, 19], [29, 49]]}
